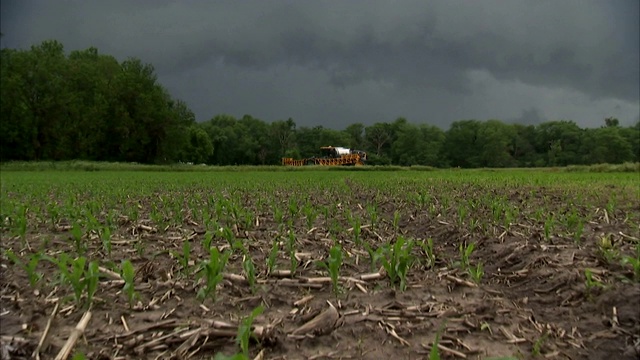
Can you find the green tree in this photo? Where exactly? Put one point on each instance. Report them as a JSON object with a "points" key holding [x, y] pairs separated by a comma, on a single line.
{"points": [[560, 141], [495, 140], [462, 145], [606, 145]]}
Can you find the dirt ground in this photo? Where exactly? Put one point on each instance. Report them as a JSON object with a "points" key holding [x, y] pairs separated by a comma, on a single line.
{"points": [[532, 302]]}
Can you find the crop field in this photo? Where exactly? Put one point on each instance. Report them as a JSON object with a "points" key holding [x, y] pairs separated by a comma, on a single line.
{"points": [[449, 264]]}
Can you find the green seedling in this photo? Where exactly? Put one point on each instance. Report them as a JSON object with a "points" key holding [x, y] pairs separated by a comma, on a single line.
{"points": [[374, 256], [537, 346], [398, 260], [212, 270], [30, 267], [607, 250], [21, 223], [396, 221], [91, 278], [332, 265], [128, 274], [462, 214], [430, 256], [357, 230], [373, 215], [634, 261], [548, 227], [434, 353], [73, 276], [76, 234], [291, 248], [105, 237], [476, 272], [184, 258], [208, 238], [591, 283], [273, 256], [249, 272], [245, 331], [465, 254]]}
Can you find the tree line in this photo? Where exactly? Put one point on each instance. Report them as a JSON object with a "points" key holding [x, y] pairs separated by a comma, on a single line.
{"points": [[89, 106]]}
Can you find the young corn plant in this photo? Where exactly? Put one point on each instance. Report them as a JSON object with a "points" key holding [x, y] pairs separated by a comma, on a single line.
{"points": [[21, 223], [465, 253], [375, 256], [396, 221], [590, 283], [291, 248], [30, 267], [398, 260], [128, 274], [634, 261], [91, 278], [71, 272], [476, 272], [357, 230], [211, 270], [273, 256], [607, 251], [105, 237], [430, 256], [548, 227], [183, 258], [372, 210], [462, 214], [76, 234], [245, 331], [249, 271], [332, 265]]}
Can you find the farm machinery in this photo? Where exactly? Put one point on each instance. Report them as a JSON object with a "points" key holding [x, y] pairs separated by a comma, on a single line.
{"points": [[331, 156]]}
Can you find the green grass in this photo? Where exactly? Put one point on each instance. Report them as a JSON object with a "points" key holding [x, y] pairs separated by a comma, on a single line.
{"points": [[81, 165]]}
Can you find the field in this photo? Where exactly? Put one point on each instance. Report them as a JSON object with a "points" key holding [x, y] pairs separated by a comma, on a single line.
{"points": [[320, 265]]}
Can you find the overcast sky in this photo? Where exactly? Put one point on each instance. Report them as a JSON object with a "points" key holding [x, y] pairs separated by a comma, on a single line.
{"points": [[334, 63]]}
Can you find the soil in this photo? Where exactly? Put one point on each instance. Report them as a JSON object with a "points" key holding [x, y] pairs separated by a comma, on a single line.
{"points": [[532, 301]]}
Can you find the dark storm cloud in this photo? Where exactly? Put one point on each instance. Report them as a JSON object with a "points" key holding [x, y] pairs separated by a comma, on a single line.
{"points": [[336, 62]]}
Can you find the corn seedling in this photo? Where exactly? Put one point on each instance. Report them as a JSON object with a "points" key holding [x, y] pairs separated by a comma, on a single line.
{"points": [[291, 248], [434, 353], [607, 251], [548, 227], [249, 271], [374, 255], [476, 272], [537, 345], [21, 223], [273, 256], [396, 221], [332, 265], [357, 230], [465, 253], [76, 235], [634, 261], [212, 270], [373, 215], [105, 237], [245, 331], [91, 278], [183, 258], [430, 256], [397, 261], [128, 274], [30, 267]]}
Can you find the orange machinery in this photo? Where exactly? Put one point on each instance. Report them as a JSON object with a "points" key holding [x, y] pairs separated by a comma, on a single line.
{"points": [[331, 156]]}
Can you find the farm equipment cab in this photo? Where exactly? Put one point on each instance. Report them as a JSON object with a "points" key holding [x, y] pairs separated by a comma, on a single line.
{"points": [[331, 156]]}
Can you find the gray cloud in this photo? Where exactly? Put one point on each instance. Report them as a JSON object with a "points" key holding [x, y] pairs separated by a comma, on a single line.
{"points": [[339, 62]]}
